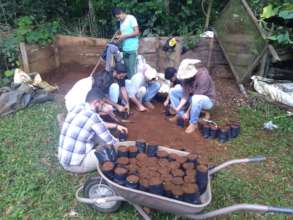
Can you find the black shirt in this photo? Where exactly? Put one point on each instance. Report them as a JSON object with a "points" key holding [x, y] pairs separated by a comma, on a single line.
{"points": [[103, 81]]}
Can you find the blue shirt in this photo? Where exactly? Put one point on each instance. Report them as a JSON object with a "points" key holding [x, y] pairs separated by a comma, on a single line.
{"points": [[127, 27], [81, 129]]}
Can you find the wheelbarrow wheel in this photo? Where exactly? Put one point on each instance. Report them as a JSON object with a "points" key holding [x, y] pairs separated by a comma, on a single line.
{"points": [[95, 188]]}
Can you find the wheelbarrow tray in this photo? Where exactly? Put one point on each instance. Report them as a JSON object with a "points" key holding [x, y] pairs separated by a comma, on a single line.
{"points": [[158, 202]]}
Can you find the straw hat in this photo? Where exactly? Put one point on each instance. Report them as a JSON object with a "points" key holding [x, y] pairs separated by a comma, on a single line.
{"points": [[187, 69]]}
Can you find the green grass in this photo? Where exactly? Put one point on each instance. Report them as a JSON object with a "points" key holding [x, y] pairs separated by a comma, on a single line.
{"points": [[34, 186]]}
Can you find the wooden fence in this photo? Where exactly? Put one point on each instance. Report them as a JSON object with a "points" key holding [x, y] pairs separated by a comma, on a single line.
{"points": [[85, 51]]}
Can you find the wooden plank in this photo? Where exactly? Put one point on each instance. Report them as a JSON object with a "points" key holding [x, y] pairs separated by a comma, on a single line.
{"points": [[43, 66], [24, 58], [56, 54], [148, 45], [42, 53], [63, 41]]}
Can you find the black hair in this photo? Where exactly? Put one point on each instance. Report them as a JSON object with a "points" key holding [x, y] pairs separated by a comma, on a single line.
{"points": [[170, 72], [93, 94], [117, 11], [188, 82], [120, 68]]}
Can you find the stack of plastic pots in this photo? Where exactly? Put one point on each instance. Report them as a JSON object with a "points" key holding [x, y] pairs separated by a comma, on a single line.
{"points": [[150, 169], [210, 130]]}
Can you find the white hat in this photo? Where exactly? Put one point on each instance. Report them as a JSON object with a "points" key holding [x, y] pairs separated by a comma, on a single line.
{"points": [[187, 69], [150, 73]]}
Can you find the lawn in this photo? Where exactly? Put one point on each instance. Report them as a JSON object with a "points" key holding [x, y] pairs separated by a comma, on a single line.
{"points": [[34, 186]]}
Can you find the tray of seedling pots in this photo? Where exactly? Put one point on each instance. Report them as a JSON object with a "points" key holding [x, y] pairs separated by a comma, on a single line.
{"points": [[158, 177]]}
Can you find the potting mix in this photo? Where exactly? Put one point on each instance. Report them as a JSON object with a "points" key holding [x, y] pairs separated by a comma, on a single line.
{"points": [[145, 167]]}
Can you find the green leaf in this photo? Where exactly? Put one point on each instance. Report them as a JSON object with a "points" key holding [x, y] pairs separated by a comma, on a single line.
{"points": [[286, 14], [8, 73], [268, 12], [283, 38]]}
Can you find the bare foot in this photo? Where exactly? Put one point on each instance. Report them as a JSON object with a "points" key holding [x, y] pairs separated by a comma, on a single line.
{"points": [[191, 128], [142, 109], [173, 119], [149, 105]]}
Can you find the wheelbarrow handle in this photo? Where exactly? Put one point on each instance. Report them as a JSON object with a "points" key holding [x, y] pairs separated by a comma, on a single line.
{"points": [[281, 210], [236, 161], [241, 207]]}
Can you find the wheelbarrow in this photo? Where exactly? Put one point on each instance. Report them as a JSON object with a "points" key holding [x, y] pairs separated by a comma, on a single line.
{"points": [[106, 196]]}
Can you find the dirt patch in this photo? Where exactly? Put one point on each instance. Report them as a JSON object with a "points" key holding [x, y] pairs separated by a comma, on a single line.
{"points": [[154, 127], [67, 75]]}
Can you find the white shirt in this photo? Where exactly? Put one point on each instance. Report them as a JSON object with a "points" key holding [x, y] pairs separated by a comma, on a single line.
{"points": [[77, 94]]}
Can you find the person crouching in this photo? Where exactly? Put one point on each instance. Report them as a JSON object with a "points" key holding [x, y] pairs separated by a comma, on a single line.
{"points": [[196, 93], [83, 130]]}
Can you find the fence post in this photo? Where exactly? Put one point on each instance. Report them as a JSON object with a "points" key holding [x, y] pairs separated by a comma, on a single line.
{"points": [[24, 57]]}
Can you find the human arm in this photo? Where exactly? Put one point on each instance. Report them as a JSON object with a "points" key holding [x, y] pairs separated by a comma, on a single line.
{"points": [[181, 103], [166, 102], [116, 126], [120, 108], [101, 130], [135, 33], [139, 105], [124, 95], [187, 113]]}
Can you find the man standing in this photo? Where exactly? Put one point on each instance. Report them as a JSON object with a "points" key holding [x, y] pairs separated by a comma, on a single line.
{"points": [[82, 130], [129, 37], [111, 86], [196, 93]]}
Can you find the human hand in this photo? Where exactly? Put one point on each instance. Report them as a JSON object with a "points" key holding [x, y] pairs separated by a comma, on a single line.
{"points": [[122, 129], [120, 38], [120, 108], [166, 103], [185, 116], [127, 108]]}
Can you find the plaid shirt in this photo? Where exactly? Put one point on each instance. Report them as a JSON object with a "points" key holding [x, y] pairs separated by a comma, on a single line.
{"points": [[81, 129]]}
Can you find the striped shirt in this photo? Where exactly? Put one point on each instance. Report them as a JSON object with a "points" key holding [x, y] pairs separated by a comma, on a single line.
{"points": [[80, 132]]}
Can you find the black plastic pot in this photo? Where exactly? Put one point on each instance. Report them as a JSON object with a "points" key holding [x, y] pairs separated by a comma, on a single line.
{"points": [[192, 196], [123, 152], [223, 135], [202, 178], [152, 150], [143, 186], [108, 169], [141, 146], [206, 131], [133, 151], [178, 195], [167, 111], [193, 158], [180, 122], [132, 182], [124, 115], [120, 175], [235, 130], [156, 189], [122, 136], [213, 132]]}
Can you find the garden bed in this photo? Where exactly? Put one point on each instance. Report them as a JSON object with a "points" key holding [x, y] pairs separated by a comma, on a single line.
{"points": [[153, 126]]}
